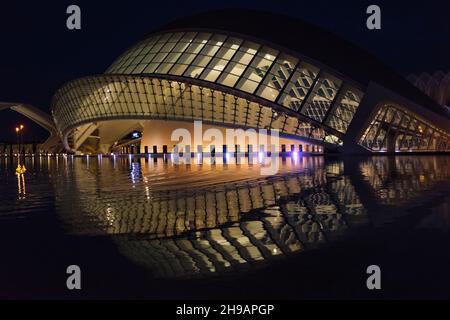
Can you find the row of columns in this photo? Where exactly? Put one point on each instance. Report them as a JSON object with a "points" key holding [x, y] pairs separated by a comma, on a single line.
{"points": [[13, 148], [284, 149]]}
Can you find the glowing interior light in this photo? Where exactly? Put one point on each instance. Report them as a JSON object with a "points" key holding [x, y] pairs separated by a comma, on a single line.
{"points": [[261, 156], [295, 157], [135, 134]]}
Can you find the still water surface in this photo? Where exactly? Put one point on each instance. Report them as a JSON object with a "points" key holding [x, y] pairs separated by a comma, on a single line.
{"points": [[148, 228]]}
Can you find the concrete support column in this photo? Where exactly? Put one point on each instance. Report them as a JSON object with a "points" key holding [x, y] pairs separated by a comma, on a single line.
{"points": [[105, 148], [391, 140]]}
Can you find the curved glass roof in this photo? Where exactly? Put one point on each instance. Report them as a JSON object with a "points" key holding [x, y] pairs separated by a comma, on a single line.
{"points": [[248, 67], [110, 97]]}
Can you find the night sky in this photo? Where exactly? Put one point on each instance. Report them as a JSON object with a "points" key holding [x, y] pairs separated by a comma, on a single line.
{"points": [[38, 53]]}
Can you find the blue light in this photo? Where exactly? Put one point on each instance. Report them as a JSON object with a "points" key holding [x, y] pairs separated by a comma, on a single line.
{"points": [[136, 134]]}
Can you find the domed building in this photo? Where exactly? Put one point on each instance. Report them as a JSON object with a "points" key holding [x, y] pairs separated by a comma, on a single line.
{"points": [[321, 93]]}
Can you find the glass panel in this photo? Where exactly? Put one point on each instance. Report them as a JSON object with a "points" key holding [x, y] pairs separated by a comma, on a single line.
{"points": [[220, 61], [275, 81], [298, 87], [238, 64], [345, 109], [257, 70], [203, 58], [321, 98]]}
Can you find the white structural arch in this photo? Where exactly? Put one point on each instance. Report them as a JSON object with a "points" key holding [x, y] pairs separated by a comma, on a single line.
{"points": [[38, 116]]}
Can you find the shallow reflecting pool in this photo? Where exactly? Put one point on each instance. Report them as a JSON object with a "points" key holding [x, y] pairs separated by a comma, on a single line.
{"points": [[144, 227]]}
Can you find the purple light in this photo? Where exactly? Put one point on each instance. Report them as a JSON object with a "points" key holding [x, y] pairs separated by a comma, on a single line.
{"points": [[295, 157], [261, 156]]}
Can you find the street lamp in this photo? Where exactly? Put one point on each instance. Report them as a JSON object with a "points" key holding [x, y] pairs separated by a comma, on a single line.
{"points": [[17, 135], [21, 136], [19, 130]]}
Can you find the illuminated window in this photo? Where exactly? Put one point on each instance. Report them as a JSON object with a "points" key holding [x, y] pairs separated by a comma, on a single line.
{"points": [[277, 78], [257, 70], [299, 86], [344, 110], [394, 129], [321, 98]]}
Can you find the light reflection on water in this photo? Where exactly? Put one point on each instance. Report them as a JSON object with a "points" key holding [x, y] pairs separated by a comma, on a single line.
{"points": [[210, 219]]}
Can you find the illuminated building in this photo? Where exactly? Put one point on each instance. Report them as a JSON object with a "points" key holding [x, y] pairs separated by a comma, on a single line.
{"points": [[320, 92]]}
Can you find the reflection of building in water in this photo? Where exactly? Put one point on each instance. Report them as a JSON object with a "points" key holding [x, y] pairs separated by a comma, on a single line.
{"points": [[191, 231], [404, 178], [299, 220]]}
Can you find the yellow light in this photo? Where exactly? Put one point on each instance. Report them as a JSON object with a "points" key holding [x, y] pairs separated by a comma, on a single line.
{"points": [[17, 129], [21, 127], [20, 169]]}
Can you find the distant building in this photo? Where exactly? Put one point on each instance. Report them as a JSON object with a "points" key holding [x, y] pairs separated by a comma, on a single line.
{"points": [[436, 86]]}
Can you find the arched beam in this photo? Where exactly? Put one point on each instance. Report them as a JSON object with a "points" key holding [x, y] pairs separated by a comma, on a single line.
{"points": [[38, 116]]}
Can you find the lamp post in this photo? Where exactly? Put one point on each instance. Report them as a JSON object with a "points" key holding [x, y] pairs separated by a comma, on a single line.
{"points": [[17, 135], [21, 137]]}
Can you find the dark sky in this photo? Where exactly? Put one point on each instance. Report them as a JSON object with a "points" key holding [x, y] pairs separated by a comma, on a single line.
{"points": [[38, 53]]}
